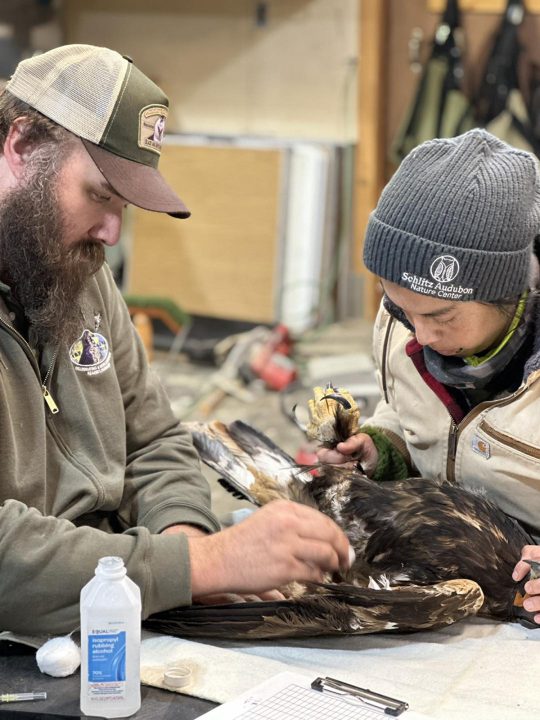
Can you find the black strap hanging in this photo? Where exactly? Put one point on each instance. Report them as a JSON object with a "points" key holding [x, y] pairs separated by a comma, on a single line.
{"points": [[500, 76], [449, 44], [442, 74]]}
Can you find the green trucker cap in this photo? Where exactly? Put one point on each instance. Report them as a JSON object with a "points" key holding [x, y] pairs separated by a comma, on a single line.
{"points": [[119, 114]]}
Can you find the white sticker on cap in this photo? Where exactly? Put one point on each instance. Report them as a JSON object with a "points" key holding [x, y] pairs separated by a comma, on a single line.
{"points": [[152, 127]]}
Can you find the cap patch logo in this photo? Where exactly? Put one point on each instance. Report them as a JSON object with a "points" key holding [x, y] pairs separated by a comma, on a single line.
{"points": [[152, 127], [444, 268]]}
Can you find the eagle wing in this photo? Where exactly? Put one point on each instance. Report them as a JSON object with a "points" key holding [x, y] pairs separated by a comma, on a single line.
{"points": [[327, 609], [251, 465]]}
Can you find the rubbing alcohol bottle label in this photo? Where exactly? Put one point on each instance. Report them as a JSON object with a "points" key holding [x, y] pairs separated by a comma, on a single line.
{"points": [[107, 664]]}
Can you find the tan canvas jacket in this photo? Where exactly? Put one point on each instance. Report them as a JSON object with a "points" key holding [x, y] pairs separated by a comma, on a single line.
{"points": [[495, 448], [102, 476]]}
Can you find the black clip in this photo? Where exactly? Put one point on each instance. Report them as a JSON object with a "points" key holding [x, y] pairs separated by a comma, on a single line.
{"points": [[389, 705]]}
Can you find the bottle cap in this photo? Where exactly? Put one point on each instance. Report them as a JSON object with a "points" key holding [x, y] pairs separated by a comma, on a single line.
{"points": [[177, 675]]}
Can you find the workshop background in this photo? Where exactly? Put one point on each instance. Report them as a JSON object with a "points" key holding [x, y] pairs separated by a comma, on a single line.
{"points": [[287, 117]]}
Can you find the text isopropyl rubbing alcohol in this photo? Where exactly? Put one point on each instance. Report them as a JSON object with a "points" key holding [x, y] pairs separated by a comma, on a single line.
{"points": [[110, 642]]}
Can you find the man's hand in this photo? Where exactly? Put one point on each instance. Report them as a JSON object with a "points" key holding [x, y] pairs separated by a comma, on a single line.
{"points": [[281, 542], [532, 587], [226, 598], [221, 598], [357, 448]]}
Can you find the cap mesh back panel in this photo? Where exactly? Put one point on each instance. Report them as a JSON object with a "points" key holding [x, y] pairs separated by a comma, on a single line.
{"points": [[77, 86]]}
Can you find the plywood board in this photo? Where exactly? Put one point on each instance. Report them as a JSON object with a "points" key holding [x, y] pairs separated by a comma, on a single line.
{"points": [[221, 262]]}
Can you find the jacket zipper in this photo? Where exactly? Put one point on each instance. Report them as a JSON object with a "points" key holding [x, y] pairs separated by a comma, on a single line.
{"points": [[53, 407], [452, 449]]}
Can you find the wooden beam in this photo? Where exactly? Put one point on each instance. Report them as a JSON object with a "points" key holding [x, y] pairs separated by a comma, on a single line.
{"points": [[371, 147]]}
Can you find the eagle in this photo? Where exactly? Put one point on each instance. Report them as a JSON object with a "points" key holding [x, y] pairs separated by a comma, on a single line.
{"points": [[428, 553]]}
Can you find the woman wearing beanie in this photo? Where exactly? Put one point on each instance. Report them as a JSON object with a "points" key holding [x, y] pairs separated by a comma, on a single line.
{"points": [[453, 240]]}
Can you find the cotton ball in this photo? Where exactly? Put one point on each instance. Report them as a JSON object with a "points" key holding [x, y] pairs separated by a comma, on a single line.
{"points": [[59, 656]]}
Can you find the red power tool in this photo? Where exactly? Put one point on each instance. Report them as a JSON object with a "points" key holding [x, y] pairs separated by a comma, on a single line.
{"points": [[271, 360]]}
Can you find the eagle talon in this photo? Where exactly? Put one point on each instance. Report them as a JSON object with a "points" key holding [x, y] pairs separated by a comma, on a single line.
{"points": [[334, 416], [534, 572], [525, 617], [292, 416], [338, 398]]}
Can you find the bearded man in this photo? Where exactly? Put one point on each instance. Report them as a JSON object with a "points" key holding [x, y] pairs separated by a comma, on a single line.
{"points": [[94, 462]]}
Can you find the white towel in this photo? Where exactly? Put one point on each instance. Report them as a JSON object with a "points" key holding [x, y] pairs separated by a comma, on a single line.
{"points": [[476, 668]]}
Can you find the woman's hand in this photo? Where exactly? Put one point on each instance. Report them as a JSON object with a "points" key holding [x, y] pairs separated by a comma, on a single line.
{"points": [[359, 448], [532, 587]]}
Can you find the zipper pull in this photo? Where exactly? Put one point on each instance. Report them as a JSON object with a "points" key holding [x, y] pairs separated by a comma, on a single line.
{"points": [[53, 407], [452, 441]]}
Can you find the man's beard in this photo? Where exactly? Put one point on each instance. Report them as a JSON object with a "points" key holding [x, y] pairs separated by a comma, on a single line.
{"points": [[45, 275]]}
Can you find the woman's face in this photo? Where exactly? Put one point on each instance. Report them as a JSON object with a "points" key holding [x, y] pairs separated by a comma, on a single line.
{"points": [[449, 327]]}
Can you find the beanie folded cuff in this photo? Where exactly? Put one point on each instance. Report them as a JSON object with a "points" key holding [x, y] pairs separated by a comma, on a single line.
{"points": [[443, 271]]}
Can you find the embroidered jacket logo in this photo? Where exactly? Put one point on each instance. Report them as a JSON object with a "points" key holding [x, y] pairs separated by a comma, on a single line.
{"points": [[444, 268], [90, 353]]}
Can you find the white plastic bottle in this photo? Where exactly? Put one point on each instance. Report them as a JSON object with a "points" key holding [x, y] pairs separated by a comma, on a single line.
{"points": [[110, 642]]}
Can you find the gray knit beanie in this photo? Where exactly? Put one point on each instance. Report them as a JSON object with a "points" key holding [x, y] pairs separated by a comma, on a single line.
{"points": [[458, 219]]}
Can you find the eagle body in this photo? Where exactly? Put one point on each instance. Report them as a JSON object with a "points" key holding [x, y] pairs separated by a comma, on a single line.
{"points": [[427, 553], [420, 532]]}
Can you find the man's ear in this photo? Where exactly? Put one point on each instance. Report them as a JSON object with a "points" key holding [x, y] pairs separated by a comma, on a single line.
{"points": [[17, 147]]}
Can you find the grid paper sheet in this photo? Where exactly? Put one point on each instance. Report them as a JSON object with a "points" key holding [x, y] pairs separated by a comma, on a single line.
{"points": [[299, 703], [289, 696]]}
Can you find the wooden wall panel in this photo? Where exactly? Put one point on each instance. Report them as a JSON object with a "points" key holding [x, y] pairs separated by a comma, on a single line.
{"points": [[294, 76], [223, 260]]}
